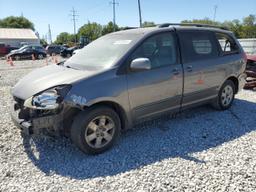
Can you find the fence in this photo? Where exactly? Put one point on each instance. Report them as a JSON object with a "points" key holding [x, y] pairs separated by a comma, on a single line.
{"points": [[249, 45]]}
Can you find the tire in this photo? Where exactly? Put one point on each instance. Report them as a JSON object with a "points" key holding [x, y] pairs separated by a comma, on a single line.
{"points": [[17, 57], [225, 96], [68, 55], [87, 131], [40, 56]]}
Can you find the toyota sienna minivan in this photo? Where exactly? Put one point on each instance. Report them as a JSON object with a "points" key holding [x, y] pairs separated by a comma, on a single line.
{"points": [[127, 77]]}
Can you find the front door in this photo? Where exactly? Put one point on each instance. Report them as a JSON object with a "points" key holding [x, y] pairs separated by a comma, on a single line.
{"points": [[160, 88]]}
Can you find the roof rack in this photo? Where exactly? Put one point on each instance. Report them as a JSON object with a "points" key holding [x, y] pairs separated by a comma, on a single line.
{"points": [[191, 24], [127, 28]]}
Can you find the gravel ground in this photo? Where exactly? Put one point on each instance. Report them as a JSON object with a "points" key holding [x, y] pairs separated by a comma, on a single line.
{"points": [[199, 150]]}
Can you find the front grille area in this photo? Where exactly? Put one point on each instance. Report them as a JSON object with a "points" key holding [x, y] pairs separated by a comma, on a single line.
{"points": [[23, 113], [18, 103]]}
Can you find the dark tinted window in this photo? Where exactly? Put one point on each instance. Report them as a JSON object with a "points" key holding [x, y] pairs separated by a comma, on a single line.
{"points": [[197, 46], [227, 44], [159, 49]]}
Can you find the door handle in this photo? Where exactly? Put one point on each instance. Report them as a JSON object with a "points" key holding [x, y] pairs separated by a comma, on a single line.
{"points": [[175, 71], [189, 68]]}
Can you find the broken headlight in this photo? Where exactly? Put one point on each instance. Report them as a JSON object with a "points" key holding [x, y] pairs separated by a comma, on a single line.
{"points": [[49, 99]]}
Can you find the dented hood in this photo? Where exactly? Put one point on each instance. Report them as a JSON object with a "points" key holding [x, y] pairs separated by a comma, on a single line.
{"points": [[45, 78]]}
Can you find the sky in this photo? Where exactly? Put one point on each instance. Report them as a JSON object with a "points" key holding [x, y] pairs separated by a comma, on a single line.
{"points": [[57, 12]]}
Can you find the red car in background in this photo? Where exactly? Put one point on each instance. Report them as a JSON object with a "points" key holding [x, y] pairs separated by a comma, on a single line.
{"points": [[251, 58], [5, 49], [251, 72]]}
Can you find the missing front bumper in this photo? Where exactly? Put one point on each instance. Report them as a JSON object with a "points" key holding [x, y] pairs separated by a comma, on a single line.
{"points": [[51, 123]]}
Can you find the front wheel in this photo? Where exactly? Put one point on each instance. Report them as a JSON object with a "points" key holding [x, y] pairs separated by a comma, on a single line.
{"points": [[95, 130], [225, 96]]}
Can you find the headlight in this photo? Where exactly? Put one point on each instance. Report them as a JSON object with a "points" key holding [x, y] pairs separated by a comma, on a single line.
{"points": [[49, 99]]}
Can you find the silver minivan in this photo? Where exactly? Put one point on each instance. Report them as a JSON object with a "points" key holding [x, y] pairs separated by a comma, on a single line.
{"points": [[127, 77]]}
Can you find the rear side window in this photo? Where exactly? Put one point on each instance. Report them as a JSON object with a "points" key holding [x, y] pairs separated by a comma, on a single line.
{"points": [[227, 44], [196, 46]]}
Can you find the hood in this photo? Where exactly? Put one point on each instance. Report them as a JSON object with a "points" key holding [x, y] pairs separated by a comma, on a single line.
{"points": [[45, 78]]}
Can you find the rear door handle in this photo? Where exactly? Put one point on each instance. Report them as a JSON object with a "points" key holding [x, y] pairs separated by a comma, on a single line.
{"points": [[189, 68], [175, 71]]}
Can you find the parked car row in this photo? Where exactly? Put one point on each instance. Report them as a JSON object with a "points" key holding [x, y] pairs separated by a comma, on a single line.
{"points": [[38, 52], [28, 52]]}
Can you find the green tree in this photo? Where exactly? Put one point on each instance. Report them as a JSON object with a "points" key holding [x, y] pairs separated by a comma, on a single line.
{"points": [[109, 28], [244, 29], [205, 21], [250, 20], [43, 42], [148, 24], [235, 26], [16, 22], [65, 38], [90, 30]]}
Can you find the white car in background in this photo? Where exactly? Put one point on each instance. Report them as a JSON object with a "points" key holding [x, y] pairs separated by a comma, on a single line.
{"points": [[76, 51]]}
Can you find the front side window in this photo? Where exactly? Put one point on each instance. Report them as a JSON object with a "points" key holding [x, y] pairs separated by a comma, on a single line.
{"points": [[227, 44], [159, 49], [196, 46]]}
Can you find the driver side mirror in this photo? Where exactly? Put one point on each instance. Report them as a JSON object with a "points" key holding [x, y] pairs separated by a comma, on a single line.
{"points": [[140, 64]]}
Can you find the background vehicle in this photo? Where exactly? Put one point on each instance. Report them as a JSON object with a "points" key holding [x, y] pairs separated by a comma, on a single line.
{"points": [[76, 51], [27, 52], [3, 49], [54, 49], [127, 77], [251, 72], [68, 52]]}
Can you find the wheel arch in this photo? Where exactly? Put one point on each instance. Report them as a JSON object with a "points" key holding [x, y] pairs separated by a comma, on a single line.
{"points": [[117, 108], [235, 81]]}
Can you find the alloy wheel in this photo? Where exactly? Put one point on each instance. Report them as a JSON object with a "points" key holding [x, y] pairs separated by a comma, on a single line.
{"points": [[227, 95], [100, 131]]}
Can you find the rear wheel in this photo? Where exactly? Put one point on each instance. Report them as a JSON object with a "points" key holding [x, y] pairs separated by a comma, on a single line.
{"points": [[226, 96], [40, 56], [96, 130]]}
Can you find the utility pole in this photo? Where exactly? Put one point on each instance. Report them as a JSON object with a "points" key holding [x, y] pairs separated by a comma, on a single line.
{"points": [[74, 15], [140, 13], [49, 34], [215, 12], [114, 3]]}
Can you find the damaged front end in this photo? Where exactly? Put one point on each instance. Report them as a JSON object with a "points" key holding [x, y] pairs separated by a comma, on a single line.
{"points": [[41, 113]]}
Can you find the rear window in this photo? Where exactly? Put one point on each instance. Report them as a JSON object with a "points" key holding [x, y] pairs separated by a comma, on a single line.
{"points": [[196, 46], [227, 44]]}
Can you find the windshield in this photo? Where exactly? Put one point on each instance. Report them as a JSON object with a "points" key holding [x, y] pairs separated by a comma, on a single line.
{"points": [[103, 53]]}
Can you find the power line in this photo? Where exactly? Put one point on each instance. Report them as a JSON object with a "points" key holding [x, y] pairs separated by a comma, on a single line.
{"points": [[215, 12], [114, 3], [74, 16], [140, 13]]}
